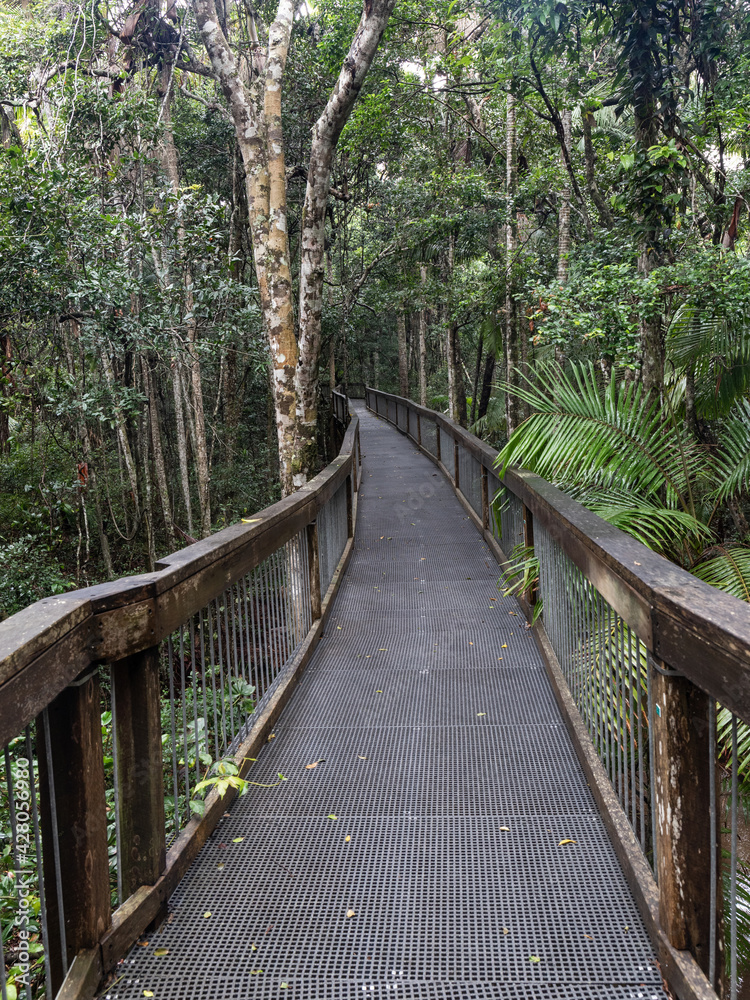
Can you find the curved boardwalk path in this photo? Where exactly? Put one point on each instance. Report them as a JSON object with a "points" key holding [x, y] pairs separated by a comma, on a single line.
{"points": [[452, 781]]}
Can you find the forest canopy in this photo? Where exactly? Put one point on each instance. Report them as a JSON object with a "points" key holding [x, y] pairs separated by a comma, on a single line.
{"points": [[532, 216]]}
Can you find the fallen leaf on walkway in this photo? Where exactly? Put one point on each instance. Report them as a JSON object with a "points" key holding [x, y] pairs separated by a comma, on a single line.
{"points": [[338, 627], [350, 913], [207, 914], [504, 645], [147, 993], [563, 842], [309, 767], [507, 828], [361, 757], [382, 650], [143, 944], [273, 735], [284, 986], [238, 840], [480, 714], [254, 947], [256, 972], [378, 692], [505, 930], [534, 959], [331, 816], [347, 838], [588, 936], [161, 952], [220, 865]]}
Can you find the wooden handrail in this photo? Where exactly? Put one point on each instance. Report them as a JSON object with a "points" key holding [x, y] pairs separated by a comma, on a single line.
{"points": [[698, 644], [694, 627], [47, 645]]}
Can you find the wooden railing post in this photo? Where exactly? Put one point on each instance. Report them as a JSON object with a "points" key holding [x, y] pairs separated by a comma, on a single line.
{"points": [[419, 430], [530, 595], [485, 500], [681, 799], [313, 560], [74, 823], [140, 782], [349, 508]]}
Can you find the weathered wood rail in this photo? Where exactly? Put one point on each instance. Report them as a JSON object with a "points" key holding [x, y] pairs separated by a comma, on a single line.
{"points": [[641, 655], [241, 609]]}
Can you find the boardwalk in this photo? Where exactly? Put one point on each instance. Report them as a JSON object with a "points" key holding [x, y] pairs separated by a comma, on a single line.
{"points": [[422, 856]]}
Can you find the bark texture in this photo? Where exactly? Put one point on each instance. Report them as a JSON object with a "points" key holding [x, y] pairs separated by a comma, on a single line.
{"points": [[255, 107]]}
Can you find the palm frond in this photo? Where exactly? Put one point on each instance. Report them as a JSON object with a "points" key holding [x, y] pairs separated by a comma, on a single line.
{"points": [[717, 349], [582, 434], [728, 568], [733, 462], [666, 531]]}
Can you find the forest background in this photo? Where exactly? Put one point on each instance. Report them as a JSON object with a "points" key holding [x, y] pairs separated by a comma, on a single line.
{"points": [[537, 221]]}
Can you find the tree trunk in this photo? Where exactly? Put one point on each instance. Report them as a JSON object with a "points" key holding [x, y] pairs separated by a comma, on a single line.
{"points": [[563, 223], [159, 465], [423, 339], [256, 111], [182, 441], [512, 370], [403, 366]]}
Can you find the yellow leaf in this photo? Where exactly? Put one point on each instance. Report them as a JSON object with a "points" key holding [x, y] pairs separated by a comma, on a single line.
{"points": [[251, 520], [505, 930], [161, 952], [562, 842], [331, 816], [480, 714], [359, 755], [238, 840], [534, 959], [505, 828], [347, 838], [256, 972], [338, 627], [207, 914], [309, 767], [254, 947], [378, 691], [148, 993], [382, 650], [505, 645], [350, 913]]}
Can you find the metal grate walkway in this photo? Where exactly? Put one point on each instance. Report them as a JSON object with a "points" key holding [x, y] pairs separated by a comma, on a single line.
{"points": [[452, 781]]}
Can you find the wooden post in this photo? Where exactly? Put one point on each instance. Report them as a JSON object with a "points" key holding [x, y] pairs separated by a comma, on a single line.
{"points": [[456, 475], [74, 823], [530, 595], [682, 758], [349, 508], [140, 782], [485, 500], [313, 560]]}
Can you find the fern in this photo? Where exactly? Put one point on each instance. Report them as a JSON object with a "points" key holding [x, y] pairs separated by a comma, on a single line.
{"points": [[734, 459], [582, 435], [728, 569]]}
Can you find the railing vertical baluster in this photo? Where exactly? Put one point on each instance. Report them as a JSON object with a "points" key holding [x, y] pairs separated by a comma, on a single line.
{"points": [[456, 465], [438, 454], [76, 871], [140, 779]]}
